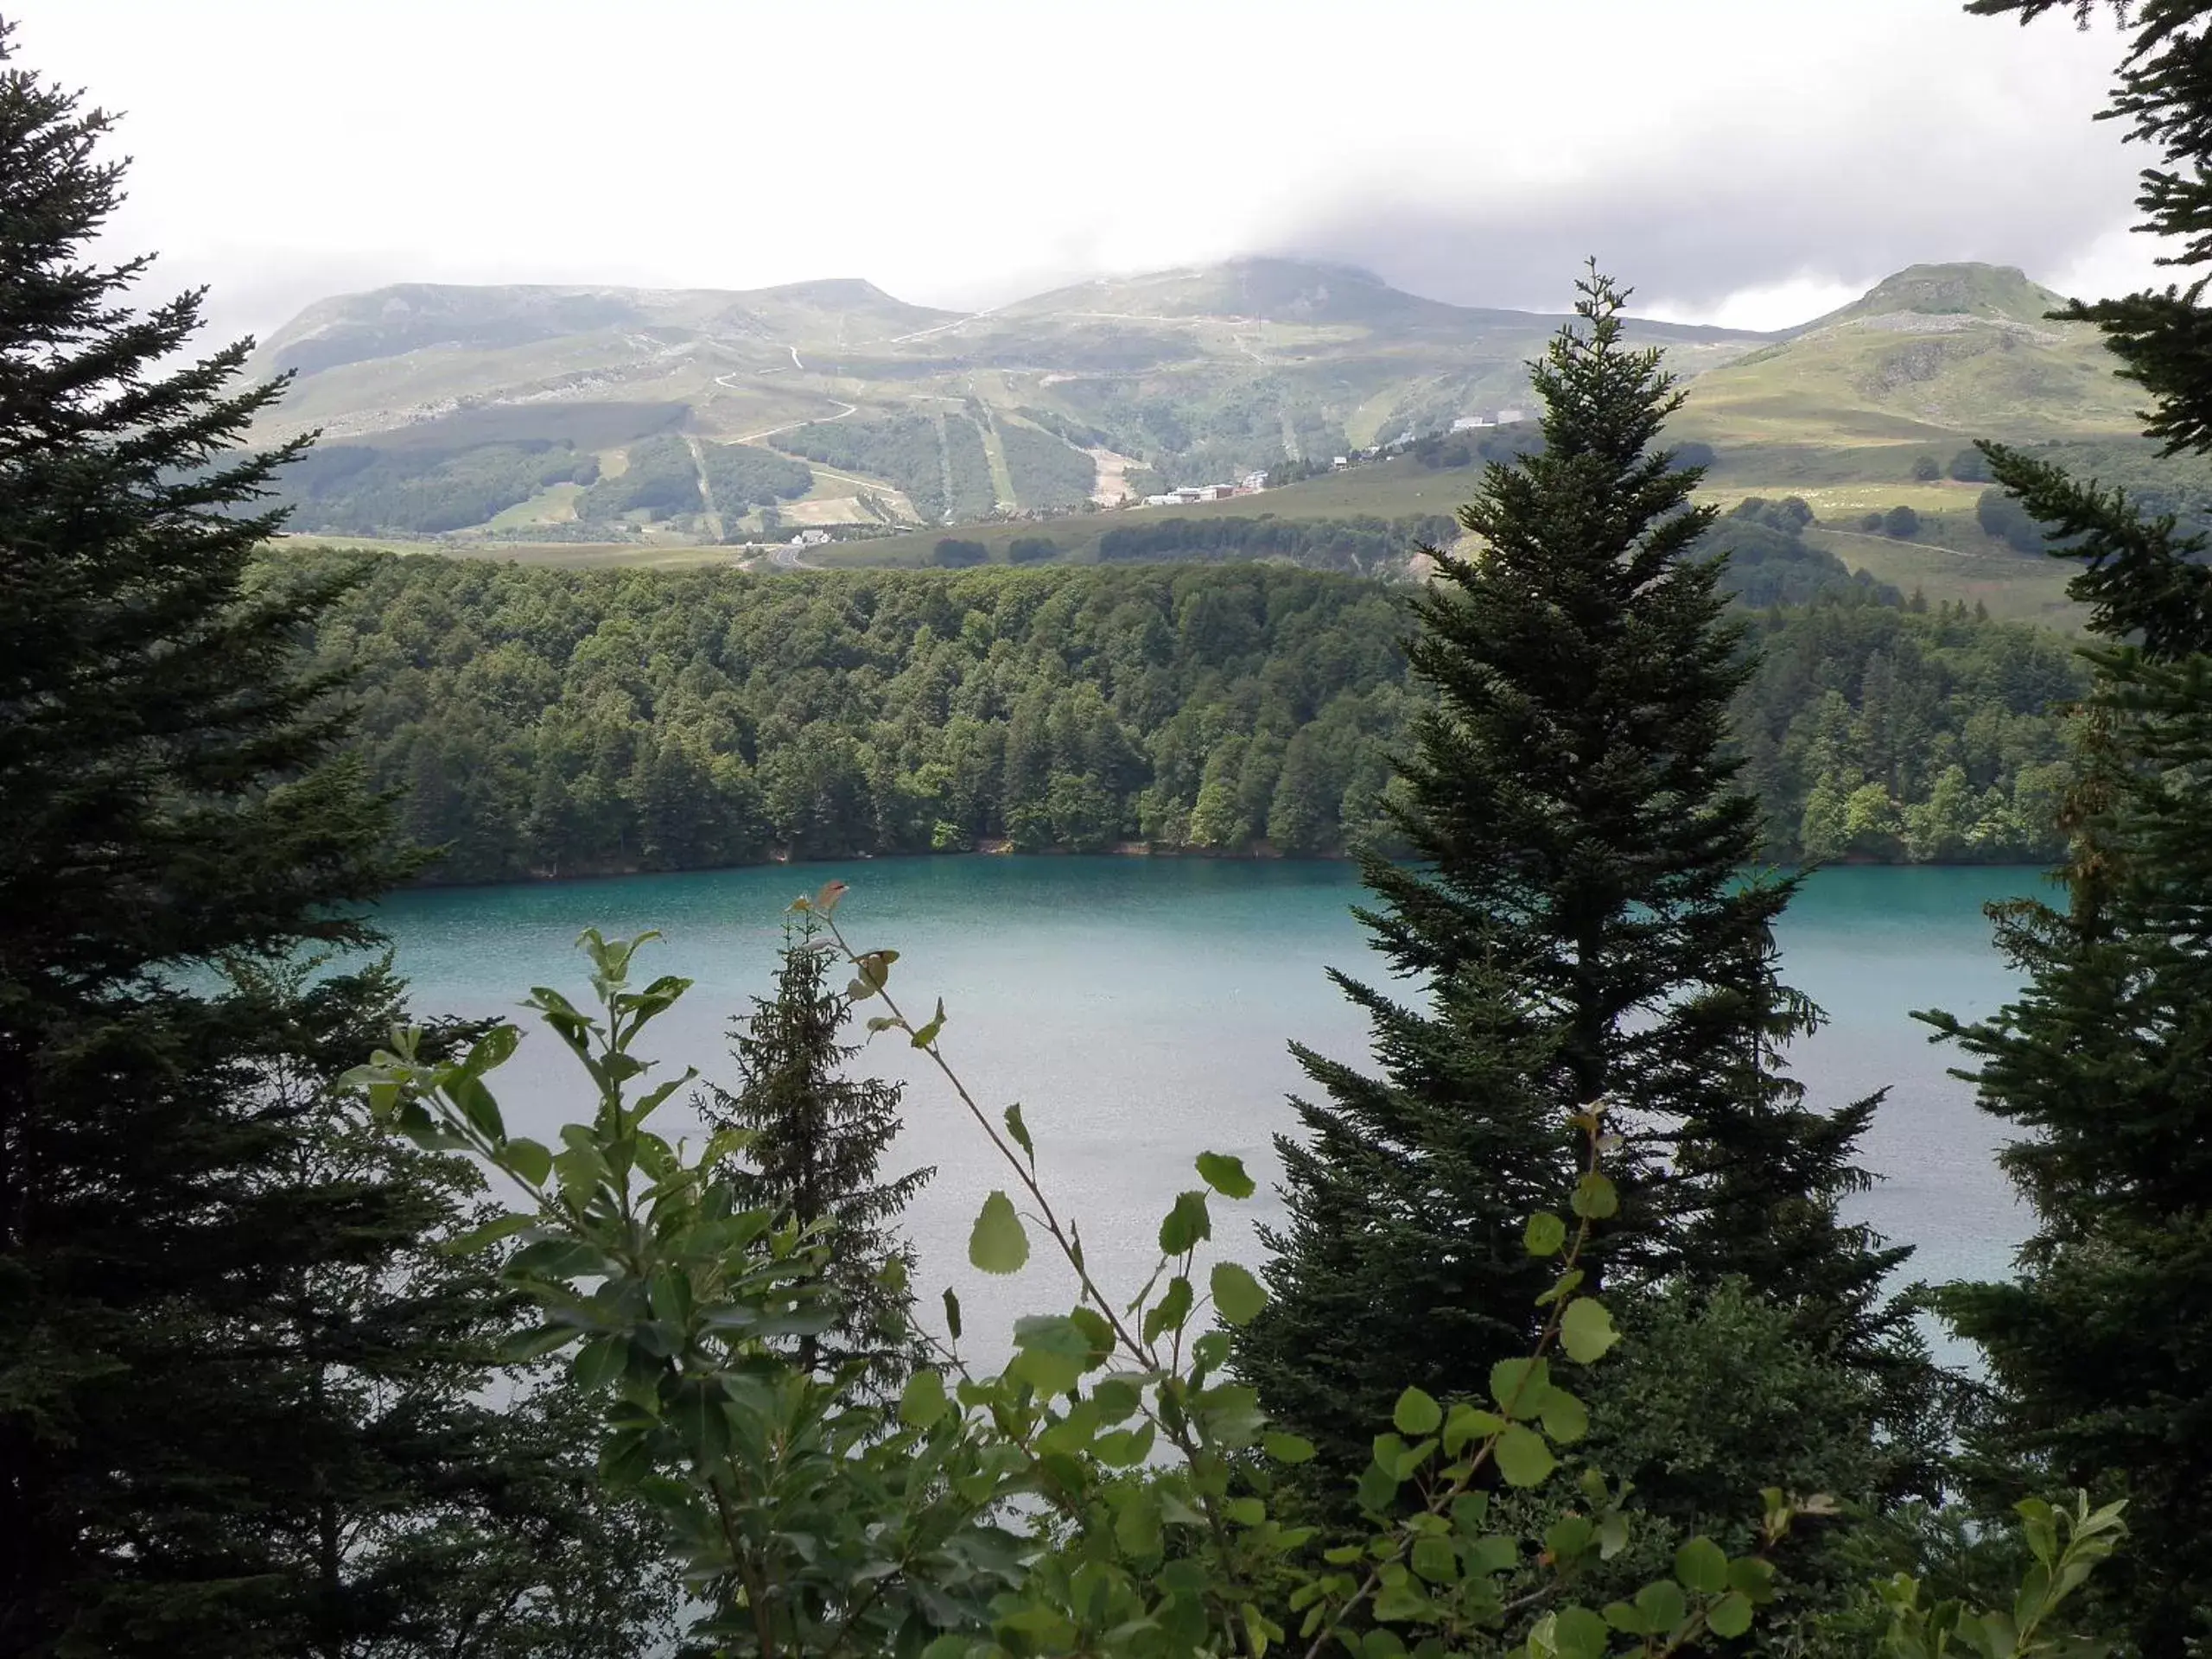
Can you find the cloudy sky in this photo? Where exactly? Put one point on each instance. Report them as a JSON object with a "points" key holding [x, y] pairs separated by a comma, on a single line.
{"points": [[1749, 162]]}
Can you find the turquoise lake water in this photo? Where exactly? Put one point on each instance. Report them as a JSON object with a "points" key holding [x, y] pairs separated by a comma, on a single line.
{"points": [[1139, 1009]]}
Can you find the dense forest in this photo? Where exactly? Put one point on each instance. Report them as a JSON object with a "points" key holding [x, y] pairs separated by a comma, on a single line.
{"points": [[662, 479], [550, 721], [547, 723], [1047, 474], [1360, 544], [938, 460], [357, 490], [1891, 733], [428, 488]]}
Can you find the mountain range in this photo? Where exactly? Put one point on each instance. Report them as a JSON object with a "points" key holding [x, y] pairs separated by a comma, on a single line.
{"points": [[603, 415]]}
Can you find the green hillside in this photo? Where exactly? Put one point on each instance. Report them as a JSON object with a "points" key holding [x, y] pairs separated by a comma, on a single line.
{"points": [[1925, 361], [907, 415], [594, 426]]}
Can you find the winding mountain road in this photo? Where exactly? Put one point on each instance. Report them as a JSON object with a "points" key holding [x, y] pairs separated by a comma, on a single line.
{"points": [[843, 410]]}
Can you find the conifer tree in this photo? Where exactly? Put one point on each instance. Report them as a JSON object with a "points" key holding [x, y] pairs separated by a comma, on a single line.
{"points": [[199, 1328], [1575, 903], [405, 1501], [817, 1143], [2100, 1347]]}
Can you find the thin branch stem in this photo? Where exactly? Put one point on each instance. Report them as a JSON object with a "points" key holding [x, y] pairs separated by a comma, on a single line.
{"points": [[1147, 1357]]}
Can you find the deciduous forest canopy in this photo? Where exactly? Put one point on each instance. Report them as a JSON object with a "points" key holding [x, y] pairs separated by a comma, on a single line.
{"points": [[553, 722]]}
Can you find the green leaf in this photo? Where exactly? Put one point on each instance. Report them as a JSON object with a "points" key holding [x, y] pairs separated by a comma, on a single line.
{"points": [[1378, 1488], [1519, 1385], [1172, 1308], [1661, 1605], [1613, 1536], [1287, 1448], [1586, 1331], [529, 1159], [1522, 1457], [1186, 1225], [1123, 1448], [1116, 1398], [1493, 1554], [1399, 1604], [495, 1047], [922, 1402], [558, 1258], [1434, 1559], [1579, 1634], [951, 1314], [1093, 1325], [1545, 1235], [489, 1234], [1053, 1352], [1701, 1565], [1565, 1285], [1595, 1198], [1417, 1413], [699, 1420], [1136, 1522], [1731, 1615], [927, 1034], [1236, 1294], [582, 1170], [1568, 1539], [1259, 1631], [1564, 1418], [1625, 1618], [1019, 1131], [1225, 1174], [478, 1107], [1754, 1577], [1466, 1424], [599, 1362], [998, 1243]]}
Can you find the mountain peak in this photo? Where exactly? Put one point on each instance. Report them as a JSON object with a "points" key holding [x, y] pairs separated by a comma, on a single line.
{"points": [[1996, 293], [831, 293], [1271, 288]]}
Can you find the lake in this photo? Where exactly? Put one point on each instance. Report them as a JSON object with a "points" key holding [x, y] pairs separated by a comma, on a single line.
{"points": [[1139, 1009]]}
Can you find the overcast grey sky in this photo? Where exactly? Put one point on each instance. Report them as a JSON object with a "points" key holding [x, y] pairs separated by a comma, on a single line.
{"points": [[1750, 162]]}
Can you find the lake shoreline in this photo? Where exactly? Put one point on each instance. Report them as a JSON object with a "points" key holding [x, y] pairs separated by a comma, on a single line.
{"points": [[1257, 853]]}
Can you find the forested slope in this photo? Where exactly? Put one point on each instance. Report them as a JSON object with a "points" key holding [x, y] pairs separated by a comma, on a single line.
{"points": [[551, 722]]}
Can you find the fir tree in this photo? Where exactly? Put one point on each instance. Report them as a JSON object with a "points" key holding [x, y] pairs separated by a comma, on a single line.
{"points": [[2100, 1348], [818, 1138], [225, 1359], [405, 1504], [1576, 903]]}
